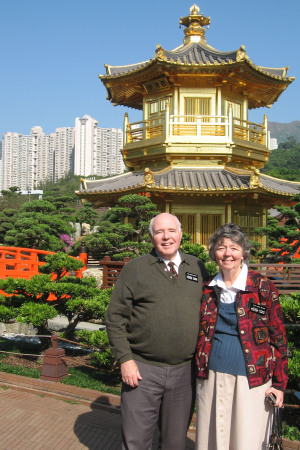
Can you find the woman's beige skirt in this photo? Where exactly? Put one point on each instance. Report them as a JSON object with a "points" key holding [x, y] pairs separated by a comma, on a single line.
{"points": [[230, 416]]}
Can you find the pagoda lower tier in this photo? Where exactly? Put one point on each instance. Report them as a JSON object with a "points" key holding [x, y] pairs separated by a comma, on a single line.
{"points": [[202, 198]]}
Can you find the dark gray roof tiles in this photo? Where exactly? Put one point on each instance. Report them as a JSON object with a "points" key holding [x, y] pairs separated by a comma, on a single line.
{"points": [[199, 54], [115, 184], [280, 186], [201, 179], [194, 54], [122, 70]]}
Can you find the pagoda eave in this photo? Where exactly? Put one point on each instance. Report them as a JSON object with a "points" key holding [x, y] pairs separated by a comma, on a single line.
{"points": [[264, 88]]}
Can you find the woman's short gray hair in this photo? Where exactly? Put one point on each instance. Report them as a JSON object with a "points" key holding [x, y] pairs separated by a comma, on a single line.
{"points": [[235, 234]]}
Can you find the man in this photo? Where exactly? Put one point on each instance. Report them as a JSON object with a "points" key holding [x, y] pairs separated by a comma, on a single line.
{"points": [[152, 324]]}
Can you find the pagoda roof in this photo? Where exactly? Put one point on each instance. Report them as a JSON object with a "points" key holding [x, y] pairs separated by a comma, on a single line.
{"points": [[128, 84], [182, 180], [194, 54]]}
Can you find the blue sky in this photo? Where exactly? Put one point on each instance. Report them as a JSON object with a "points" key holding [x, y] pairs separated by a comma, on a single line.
{"points": [[52, 52]]}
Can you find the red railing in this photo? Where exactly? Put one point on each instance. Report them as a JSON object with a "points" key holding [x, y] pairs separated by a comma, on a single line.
{"points": [[286, 277], [111, 271], [18, 262]]}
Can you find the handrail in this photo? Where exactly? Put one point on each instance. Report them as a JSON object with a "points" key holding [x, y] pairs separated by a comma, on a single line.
{"points": [[176, 125], [111, 270], [286, 277], [22, 262]]}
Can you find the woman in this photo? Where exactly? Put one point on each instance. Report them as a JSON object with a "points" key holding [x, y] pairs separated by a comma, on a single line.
{"points": [[241, 350]]}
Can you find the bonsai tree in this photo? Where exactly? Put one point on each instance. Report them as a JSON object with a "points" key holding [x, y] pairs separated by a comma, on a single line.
{"points": [[284, 236], [53, 292], [123, 230]]}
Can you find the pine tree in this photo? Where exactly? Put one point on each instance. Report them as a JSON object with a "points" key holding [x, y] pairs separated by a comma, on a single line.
{"points": [[283, 234]]}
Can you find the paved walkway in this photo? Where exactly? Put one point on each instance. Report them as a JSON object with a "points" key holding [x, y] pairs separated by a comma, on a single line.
{"points": [[37, 414]]}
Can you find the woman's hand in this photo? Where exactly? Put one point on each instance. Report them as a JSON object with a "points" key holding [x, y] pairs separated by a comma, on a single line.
{"points": [[278, 394]]}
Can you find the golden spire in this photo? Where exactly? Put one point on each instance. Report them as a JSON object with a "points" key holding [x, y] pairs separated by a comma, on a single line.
{"points": [[195, 23]]}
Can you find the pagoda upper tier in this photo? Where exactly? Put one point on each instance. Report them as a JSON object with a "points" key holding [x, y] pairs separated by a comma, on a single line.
{"points": [[192, 64]]}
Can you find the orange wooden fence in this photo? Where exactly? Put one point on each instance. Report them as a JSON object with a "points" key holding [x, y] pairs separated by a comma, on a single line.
{"points": [[18, 262]]}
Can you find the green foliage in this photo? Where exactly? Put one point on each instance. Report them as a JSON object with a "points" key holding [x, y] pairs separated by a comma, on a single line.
{"points": [[60, 263], [7, 219], [116, 237], [291, 306], [98, 340], [92, 379], [12, 198], [64, 186], [294, 367], [20, 370], [292, 433], [78, 299], [86, 214], [293, 335], [285, 238], [200, 252], [36, 314], [284, 162], [38, 224], [6, 313]]}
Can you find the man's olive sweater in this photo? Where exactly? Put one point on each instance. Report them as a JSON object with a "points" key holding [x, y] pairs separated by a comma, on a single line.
{"points": [[153, 316]]}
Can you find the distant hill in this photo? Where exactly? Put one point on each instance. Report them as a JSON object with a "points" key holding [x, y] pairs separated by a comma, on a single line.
{"points": [[282, 131]]}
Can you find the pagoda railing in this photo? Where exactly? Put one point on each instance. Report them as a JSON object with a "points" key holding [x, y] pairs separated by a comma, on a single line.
{"points": [[249, 131], [218, 126], [188, 125]]}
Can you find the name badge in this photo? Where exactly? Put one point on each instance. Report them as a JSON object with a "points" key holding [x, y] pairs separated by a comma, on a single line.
{"points": [[258, 309], [191, 277]]}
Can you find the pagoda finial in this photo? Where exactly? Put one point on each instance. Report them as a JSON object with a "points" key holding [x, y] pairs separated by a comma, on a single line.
{"points": [[195, 23]]}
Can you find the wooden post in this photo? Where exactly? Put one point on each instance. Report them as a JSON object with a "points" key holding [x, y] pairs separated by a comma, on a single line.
{"points": [[54, 368]]}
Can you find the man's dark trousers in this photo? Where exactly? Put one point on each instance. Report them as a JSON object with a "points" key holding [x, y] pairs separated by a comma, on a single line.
{"points": [[167, 392]]}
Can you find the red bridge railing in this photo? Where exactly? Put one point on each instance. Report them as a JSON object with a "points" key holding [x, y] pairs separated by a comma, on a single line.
{"points": [[18, 262]]}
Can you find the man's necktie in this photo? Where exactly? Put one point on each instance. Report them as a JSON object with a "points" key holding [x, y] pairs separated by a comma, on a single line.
{"points": [[172, 269]]}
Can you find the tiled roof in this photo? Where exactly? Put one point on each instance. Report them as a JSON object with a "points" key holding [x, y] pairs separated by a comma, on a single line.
{"points": [[196, 54], [191, 179], [122, 70], [118, 183], [199, 53]]}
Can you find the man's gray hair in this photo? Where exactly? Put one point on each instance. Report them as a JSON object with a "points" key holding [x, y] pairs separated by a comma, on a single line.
{"points": [[153, 218]]}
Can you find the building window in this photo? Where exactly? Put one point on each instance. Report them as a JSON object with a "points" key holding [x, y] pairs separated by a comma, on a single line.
{"points": [[236, 109], [188, 224], [153, 107], [248, 222], [209, 223], [197, 106]]}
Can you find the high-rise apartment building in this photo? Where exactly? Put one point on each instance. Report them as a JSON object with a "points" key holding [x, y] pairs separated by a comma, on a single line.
{"points": [[16, 165], [273, 144], [63, 152], [97, 150], [109, 157], [85, 150], [85, 145], [26, 159]]}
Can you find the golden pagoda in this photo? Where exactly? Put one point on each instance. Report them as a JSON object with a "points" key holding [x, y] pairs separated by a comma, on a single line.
{"points": [[195, 153]]}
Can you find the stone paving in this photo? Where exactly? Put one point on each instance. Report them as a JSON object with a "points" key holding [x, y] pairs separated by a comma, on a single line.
{"points": [[37, 414]]}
